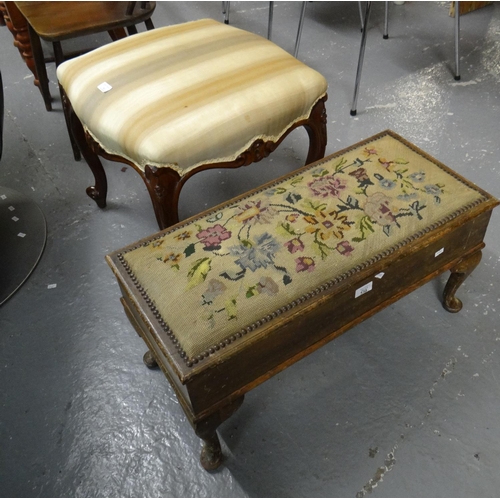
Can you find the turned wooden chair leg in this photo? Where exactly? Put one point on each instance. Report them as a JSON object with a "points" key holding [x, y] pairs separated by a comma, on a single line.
{"points": [[99, 191], [211, 455], [458, 275], [164, 186], [316, 129]]}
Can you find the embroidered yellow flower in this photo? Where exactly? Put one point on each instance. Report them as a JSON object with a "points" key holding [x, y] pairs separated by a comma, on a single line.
{"points": [[327, 224]]}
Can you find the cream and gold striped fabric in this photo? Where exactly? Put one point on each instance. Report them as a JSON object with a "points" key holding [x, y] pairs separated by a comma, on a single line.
{"points": [[189, 94]]}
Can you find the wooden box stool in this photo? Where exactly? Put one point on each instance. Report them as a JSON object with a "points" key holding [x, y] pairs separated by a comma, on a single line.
{"points": [[230, 297], [173, 101]]}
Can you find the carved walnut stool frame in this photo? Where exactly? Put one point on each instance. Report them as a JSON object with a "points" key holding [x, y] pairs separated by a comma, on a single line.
{"points": [[164, 184]]}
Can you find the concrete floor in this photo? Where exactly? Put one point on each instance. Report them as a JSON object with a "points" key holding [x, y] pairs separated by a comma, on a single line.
{"points": [[403, 405]]}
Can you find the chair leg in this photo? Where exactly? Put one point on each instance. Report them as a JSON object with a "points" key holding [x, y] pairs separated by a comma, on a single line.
{"points": [[360, 60], [386, 21], [225, 11], [361, 16], [211, 455], [164, 187], [149, 24], [59, 58], [99, 191], [316, 129], [299, 31], [41, 70], [457, 40], [270, 21]]}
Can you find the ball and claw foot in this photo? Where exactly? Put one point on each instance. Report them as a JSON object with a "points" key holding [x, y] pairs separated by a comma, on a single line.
{"points": [[149, 360]]}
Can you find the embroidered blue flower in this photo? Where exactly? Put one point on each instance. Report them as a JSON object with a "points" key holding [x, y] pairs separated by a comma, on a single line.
{"points": [[432, 189], [254, 256], [417, 176], [387, 184]]}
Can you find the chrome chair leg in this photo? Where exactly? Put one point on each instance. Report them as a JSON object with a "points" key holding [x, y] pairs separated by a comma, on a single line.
{"points": [[299, 32], [361, 58], [386, 22], [225, 11], [361, 15], [457, 40], [270, 22]]}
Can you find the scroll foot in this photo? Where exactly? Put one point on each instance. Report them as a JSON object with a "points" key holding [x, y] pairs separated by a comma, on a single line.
{"points": [[458, 275]]}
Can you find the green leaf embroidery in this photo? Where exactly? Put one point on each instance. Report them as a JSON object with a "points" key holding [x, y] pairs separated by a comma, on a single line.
{"points": [[198, 273], [218, 216], [231, 309], [189, 250]]}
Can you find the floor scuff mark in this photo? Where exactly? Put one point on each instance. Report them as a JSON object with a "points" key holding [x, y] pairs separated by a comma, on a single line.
{"points": [[379, 475]]}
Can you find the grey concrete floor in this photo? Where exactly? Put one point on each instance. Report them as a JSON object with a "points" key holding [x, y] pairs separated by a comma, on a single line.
{"points": [[404, 405]]}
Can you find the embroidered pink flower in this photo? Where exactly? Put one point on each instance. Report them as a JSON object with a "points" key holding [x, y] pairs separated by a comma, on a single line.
{"points": [[304, 264], [213, 236], [370, 151], [294, 245], [326, 186], [360, 174], [377, 208], [268, 286], [214, 289], [344, 248]]}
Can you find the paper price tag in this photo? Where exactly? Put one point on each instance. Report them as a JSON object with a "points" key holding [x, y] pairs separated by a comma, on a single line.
{"points": [[104, 87], [439, 252], [364, 289]]}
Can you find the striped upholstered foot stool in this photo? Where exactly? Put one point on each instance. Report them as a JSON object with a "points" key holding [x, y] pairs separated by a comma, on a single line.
{"points": [[229, 298], [173, 101]]}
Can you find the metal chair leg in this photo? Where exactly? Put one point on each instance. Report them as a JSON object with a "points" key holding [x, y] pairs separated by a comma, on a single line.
{"points": [[457, 40], [270, 22], [361, 58], [299, 32], [361, 15], [386, 22], [225, 11]]}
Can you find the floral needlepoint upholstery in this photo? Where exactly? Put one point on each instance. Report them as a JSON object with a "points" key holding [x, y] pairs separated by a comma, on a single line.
{"points": [[220, 273]]}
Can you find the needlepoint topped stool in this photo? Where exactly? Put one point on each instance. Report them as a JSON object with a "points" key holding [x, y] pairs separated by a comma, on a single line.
{"points": [[234, 295], [176, 100]]}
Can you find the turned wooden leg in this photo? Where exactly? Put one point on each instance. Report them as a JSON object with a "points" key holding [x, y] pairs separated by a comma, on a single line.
{"points": [[458, 275], [149, 360], [164, 186], [211, 455], [99, 191], [316, 129]]}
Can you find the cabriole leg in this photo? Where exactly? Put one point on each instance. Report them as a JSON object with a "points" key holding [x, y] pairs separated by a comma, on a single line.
{"points": [[458, 275], [316, 129], [211, 455], [99, 191]]}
